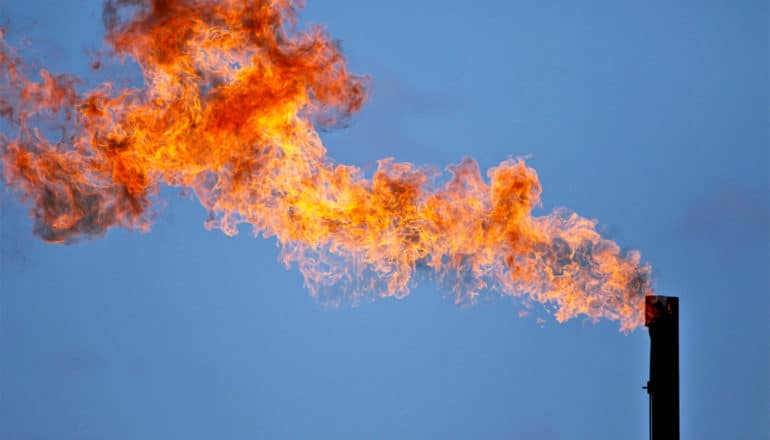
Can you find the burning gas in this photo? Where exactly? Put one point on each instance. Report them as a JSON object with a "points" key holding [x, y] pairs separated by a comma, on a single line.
{"points": [[232, 95]]}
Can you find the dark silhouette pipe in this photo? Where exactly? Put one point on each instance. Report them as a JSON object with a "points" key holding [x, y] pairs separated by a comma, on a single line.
{"points": [[662, 318]]}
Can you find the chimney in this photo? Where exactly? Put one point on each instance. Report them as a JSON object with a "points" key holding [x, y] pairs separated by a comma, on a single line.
{"points": [[662, 319]]}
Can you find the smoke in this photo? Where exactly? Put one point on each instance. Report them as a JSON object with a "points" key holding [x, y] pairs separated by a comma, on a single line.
{"points": [[729, 218], [233, 95]]}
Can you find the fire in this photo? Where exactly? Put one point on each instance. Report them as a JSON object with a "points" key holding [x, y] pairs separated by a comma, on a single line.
{"points": [[232, 95]]}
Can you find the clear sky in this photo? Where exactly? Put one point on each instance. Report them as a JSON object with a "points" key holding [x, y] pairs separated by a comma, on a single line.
{"points": [[650, 116]]}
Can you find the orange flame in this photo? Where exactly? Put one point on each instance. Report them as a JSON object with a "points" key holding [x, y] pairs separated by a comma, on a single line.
{"points": [[233, 93]]}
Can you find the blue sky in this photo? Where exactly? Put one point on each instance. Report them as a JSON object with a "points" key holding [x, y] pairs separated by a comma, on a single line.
{"points": [[650, 117]]}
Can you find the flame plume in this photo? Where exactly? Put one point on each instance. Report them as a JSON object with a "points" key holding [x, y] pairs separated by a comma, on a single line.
{"points": [[233, 93]]}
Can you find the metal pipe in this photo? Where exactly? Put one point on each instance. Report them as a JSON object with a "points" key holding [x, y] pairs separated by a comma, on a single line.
{"points": [[662, 320]]}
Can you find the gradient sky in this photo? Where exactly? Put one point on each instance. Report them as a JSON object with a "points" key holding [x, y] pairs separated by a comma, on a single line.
{"points": [[649, 116]]}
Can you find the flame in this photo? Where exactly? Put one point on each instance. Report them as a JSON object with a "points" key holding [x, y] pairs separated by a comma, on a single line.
{"points": [[232, 94]]}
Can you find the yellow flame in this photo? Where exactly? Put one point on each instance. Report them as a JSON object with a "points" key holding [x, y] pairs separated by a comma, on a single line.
{"points": [[233, 93]]}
